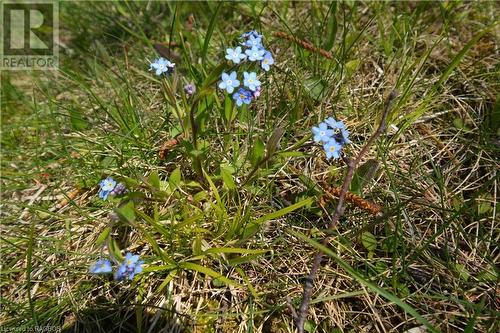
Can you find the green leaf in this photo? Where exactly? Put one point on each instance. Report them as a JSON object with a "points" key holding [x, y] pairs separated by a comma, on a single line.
{"points": [[210, 31], [463, 273], [352, 66], [102, 237], [174, 179], [331, 26], [126, 212], [227, 178], [369, 241], [273, 143], [363, 175], [309, 326], [361, 279], [258, 152], [315, 88], [210, 272], [254, 226], [77, 121], [458, 123], [154, 179]]}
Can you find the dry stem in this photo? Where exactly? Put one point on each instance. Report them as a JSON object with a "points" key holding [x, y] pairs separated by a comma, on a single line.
{"points": [[300, 318]]}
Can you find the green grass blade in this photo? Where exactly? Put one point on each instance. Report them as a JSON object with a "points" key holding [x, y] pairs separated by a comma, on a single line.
{"points": [[210, 272], [361, 279], [208, 36]]}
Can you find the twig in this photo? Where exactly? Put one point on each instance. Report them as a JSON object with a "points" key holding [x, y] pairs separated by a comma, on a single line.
{"points": [[300, 318], [306, 45]]}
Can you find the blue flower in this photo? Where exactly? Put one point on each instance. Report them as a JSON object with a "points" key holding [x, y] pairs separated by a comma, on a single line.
{"points": [[332, 149], [253, 33], [342, 136], [250, 80], [322, 133], [119, 189], [162, 65], [256, 93], [254, 41], [229, 82], [235, 55], [106, 186], [334, 124], [242, 96], [129, 268], [102, 266], [255, 54], [189, 89], [267, 61]]}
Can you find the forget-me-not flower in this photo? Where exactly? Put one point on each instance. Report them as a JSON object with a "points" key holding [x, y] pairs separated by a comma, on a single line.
{"points": [[334, 124], [253, 41], [332, 149], [242, 96], [129, 268], [235, 55], [256, 93], [255, 54], [267, 61], [251, 33], [229, 82], [343, 136], [190, 89], [250, 80], [322, 133], [102, 266], [106, 186], [161, 65], [119, 189]]}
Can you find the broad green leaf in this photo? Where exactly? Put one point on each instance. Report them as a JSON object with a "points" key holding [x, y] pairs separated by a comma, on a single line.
{"points": [[315, 88], [331, 26], [274, 140], [102, 237], [174, 180], [126, 212], [369, 241], [154, 179], [258, 152], [363, 175], [77, 121], [352, 66], [227, 177]]}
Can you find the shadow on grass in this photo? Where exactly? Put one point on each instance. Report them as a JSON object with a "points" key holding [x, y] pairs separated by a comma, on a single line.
{"points": [[108, 318]]}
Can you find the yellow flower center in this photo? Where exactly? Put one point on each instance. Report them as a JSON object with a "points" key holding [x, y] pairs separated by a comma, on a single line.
{"points": [[332, 148]]}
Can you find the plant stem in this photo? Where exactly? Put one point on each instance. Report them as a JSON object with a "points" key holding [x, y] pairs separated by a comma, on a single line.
{"points": [[301, 316]]}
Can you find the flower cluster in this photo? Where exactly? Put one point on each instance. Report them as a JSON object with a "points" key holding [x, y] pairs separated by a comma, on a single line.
{"points": [[255, 52], [162, 65], [130, 267], [109, 186], [333, 135]]}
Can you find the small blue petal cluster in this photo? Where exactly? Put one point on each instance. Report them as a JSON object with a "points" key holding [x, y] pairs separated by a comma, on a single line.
{"points": [[108, 186], [129, 268], [333, 135], [251, 85], [189, 89], [162, 65]]}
